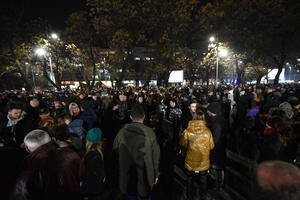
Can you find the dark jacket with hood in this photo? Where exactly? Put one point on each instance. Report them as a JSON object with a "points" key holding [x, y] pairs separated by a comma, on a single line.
{"points": [[76, 127], [137, 143], [217, 126]]}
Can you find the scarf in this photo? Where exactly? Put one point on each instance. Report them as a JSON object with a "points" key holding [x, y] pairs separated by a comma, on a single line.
{"points": [[268, 131], [75, 114], [13, 122]]}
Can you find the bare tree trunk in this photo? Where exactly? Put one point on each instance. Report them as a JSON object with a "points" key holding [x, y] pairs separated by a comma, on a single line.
{"points": [[91, 86], [276, 80], [27, 83], [159, 80], [280, 61], [207, 80], [45, 74], [258, 79], [165, 77]]}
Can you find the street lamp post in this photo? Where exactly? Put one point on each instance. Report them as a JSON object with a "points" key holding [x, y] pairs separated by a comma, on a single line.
{"points": [[32, 74], [223, 53], [52, 77], [217, 68], [42, 52]]}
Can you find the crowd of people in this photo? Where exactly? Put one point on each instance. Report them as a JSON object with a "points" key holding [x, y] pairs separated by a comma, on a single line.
{"points": [[123, 143]]}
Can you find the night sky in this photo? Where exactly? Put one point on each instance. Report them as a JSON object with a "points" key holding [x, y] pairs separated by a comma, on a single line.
{"points": [[54, 11]]}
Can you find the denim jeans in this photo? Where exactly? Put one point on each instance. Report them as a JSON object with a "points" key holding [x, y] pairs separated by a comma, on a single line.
{"points": [[196, 184]]}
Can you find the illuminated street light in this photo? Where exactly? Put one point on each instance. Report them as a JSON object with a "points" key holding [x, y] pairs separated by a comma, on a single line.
{"points": [[54, 36], [223, 52], [41, 52]]}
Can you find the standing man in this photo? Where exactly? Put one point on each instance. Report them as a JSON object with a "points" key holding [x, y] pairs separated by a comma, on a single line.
{"points": [[218, 155], [189, 115], [50, 172], [14, 126], [38, 179], [139, 155]]}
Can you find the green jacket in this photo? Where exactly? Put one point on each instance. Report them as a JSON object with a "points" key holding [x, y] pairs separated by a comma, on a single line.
{"points": [[150, 150]]}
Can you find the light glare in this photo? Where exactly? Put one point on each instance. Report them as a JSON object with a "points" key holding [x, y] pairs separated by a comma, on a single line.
{"points": [[40, 51], [223, 52], [54, 36]]}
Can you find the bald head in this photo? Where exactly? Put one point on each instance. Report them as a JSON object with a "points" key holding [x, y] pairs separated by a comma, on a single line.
{"points": [[279, 178], [275, 174]]}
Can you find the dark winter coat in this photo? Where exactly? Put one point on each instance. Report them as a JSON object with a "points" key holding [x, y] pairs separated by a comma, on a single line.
{"points": [[185, 120], [95, 105], [271, 101], [242, 107], [11, 161], [271, 148], [164, 132], [167, 141], [70, 170], [33, 113], [139, 141], [44, 177], [94, 176], [122, 112], [218, 128], [13, 136], [89, 117]]}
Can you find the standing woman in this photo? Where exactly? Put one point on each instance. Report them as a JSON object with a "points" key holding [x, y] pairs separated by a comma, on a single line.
{"points": [[94, 176], [198, 142]]}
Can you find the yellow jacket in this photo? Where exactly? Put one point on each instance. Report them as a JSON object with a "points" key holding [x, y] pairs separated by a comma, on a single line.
{"points": [[197, 152]]}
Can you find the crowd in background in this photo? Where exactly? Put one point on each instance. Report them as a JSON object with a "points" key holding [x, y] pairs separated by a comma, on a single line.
{"points": [[79, 136]]}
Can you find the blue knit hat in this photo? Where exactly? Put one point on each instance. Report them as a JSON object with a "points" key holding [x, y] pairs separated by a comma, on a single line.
{"points": [[94, 135]]}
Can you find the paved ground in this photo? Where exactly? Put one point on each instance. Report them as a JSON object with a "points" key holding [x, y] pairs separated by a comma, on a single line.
{"points": [[176, 190]]}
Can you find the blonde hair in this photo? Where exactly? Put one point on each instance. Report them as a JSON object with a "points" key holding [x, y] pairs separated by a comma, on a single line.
{"points": [[92, 146], [73, 104]]}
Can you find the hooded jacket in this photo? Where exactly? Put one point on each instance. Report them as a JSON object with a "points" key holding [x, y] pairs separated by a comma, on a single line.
{"points": [[198, 150], [76, 127], [217, 126], [142, 145]]}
